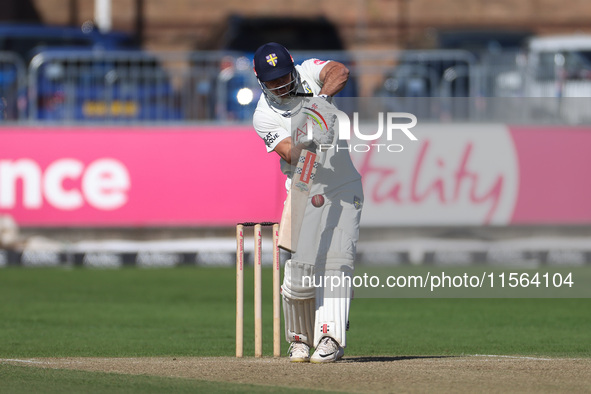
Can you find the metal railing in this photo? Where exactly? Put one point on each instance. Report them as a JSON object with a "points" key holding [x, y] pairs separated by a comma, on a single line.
{"points": [[179, 87], [12, 87], [91, 86]]}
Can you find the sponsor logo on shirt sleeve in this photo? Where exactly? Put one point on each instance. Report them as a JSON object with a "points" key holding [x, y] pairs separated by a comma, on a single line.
{"points": [[270, 138]]}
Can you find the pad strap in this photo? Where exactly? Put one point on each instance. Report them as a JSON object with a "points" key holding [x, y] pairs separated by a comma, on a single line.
{"points": [[299, 320]]}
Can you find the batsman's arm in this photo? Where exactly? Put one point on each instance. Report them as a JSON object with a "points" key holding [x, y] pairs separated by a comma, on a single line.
{"points": [[334, 77], [287, 150]]}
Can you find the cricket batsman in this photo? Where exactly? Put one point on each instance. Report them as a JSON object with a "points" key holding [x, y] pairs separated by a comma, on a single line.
{"points": [[296, 103]]}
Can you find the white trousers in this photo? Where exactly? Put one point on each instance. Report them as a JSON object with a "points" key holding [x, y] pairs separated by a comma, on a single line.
{"points": [[327, 246]]}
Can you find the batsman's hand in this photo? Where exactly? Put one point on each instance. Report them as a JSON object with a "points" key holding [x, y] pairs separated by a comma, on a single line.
{"points": [[323, 104], [324, 134]]}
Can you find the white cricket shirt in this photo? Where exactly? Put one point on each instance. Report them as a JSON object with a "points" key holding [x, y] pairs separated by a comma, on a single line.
{"points": [[336, 167]]}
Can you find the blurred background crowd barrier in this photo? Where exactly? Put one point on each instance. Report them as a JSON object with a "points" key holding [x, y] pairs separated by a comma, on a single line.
{"points": [[130, 86]]}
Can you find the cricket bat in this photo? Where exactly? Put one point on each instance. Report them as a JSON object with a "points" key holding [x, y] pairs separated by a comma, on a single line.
{"points": [[297, 200]]}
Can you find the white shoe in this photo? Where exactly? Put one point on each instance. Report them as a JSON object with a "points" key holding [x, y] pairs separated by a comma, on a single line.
{"points": [[299, 352], [327, 351]]}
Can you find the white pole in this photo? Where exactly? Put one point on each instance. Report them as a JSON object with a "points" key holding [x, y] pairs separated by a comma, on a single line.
{"points": [[102, 15], [258, 294]]}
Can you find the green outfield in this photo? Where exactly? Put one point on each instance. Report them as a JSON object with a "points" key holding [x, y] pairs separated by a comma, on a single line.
{"points": [[190, 312], [17, 379]]}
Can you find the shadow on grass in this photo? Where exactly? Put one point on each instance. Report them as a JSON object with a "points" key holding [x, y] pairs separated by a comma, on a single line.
{"points": [[383, 359]]}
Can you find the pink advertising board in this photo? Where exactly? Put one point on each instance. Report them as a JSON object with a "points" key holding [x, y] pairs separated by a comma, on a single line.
{"points": [[137, 177], [216, 176], [555, 181], [480, 174]]}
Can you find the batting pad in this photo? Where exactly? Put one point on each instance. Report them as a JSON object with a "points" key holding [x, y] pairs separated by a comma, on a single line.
{"points": [[299, 320], [297, 283], [332, 307]]}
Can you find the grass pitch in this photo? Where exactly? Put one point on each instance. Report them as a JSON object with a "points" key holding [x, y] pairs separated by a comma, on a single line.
{"points": [[191, 312], [17, 379]]}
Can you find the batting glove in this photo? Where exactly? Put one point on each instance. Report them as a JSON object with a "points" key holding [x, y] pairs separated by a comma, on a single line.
{"points": [[324, 134]]}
